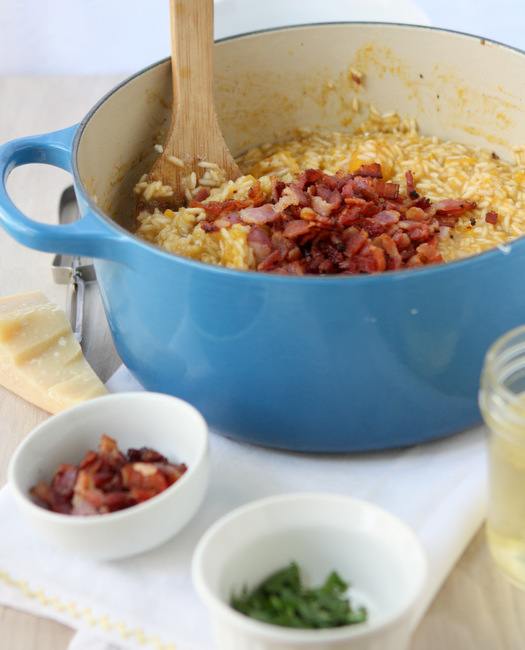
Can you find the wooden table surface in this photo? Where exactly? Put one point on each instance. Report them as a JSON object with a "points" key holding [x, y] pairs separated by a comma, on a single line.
{"points": [[476, 608]]}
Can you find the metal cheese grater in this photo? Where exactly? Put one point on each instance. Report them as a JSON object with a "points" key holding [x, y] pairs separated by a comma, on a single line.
{"points": [[72, 270]]}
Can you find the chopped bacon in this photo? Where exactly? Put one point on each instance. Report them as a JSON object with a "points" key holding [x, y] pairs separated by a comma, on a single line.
{"points": [[310, 177], [355, 241], [260, 243], [296, 227], [64, 479], [394, 259], [109, 452], [262, 214], [209, 226], [228, 220], [202, 194], [214, 209], [444, 232], [381, 222], [343, 223], [411, 190], [57, 496], [272, 262], [256, 194], [277, 188], [386, 190], [454, 206], [107, 481], [171, 472], [282, 244], [145, 455], [144, 476], [370, 169], [429, 252], [364, 186], [321, 207], [415, 213], [491, 217], [292, 195]]}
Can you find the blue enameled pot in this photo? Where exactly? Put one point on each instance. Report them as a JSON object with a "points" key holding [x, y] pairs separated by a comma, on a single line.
{"points": [[324, 364]]}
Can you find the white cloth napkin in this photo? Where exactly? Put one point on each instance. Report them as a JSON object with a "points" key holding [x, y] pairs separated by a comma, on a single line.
{"points": [[148, 602]]}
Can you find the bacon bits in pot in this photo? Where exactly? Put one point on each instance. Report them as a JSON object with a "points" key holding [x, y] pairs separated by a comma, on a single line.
{"points": [[343, 223]]}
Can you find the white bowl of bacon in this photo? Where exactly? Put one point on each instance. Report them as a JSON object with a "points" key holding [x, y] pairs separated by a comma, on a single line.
{"points": [[115, 476]]}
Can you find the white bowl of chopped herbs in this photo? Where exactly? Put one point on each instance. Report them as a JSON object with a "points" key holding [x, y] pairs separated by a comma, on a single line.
{"points": [[310, 571]]}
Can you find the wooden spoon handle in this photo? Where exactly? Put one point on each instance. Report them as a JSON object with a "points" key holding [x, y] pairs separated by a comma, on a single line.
{"points": [[194, 134], [192, 67]]}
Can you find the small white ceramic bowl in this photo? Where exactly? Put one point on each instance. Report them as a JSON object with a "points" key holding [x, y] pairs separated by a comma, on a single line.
{"points": [[367, 546], [139, 419]]}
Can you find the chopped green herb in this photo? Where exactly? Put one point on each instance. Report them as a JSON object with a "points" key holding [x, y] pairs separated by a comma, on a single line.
{"points": [[282, 599]]}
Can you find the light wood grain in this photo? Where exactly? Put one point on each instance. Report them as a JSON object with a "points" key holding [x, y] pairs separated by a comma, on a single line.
{"points": [[20, 631], [475, 610]]}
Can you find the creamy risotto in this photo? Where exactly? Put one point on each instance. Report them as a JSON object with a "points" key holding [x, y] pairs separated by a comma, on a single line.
{"points": [[494, 189]]}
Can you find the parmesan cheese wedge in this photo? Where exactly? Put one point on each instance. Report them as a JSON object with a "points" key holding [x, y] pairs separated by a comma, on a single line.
{"points": [[40, 359]]}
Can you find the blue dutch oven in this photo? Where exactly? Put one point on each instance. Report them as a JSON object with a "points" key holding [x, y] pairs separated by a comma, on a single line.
{"points": [[320, 364]]}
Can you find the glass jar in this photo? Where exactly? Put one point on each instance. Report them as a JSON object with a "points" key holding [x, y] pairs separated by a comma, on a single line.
{"points": [[502, 404]]}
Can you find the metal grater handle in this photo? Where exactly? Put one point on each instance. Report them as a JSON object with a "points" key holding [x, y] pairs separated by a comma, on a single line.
{"points": [[71, 270]]}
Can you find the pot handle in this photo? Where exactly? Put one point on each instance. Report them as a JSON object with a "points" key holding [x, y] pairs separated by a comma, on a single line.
{"points": [[89, 236]]}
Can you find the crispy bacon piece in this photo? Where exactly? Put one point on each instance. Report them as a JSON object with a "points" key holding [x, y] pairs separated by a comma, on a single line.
{"points": [[453, 206], [260, 243], [145, 455], [492, 217], [228, 220], [202, 194], [57, 496], [261, 214], [144, 476], [256, 194], [209, 226], [214, 209], [272, 261], [370, 169], [107, 480], [292, 195], [296, 227], [386, 190], [411, 191]]}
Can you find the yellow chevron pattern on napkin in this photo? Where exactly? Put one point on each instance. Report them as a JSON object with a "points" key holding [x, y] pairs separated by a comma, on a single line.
{"points": [[102, 622]]}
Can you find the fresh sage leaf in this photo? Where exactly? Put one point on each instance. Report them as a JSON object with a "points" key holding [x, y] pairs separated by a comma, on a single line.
{"points": [[282, 599]]}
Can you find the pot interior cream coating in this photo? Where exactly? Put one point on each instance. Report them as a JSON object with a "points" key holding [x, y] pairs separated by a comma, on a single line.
{"points": [[267, 84]]}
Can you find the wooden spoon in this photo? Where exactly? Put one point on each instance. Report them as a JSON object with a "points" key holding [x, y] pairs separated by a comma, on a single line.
{"points": [[194, 135]]}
